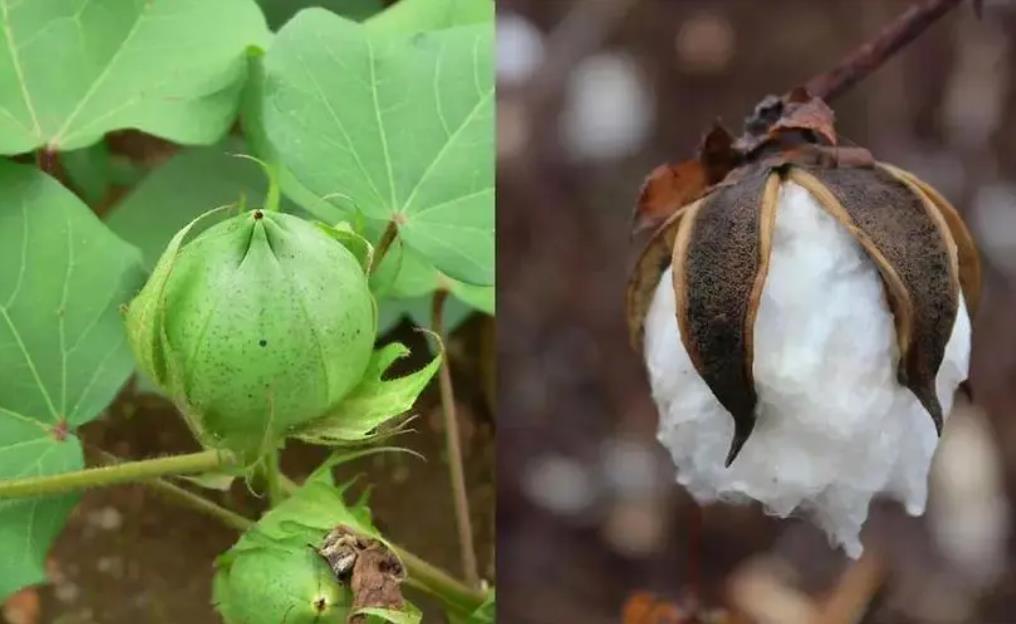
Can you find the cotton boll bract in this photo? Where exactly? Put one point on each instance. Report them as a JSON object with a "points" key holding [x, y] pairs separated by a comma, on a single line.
{"points": [[833, 424]]}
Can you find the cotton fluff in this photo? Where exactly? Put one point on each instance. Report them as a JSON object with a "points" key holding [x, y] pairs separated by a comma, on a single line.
{"points": [[833, 427]]}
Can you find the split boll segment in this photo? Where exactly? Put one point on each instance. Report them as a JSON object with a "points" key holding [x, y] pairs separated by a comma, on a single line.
{"points": [[260, 324], [805, 326]]}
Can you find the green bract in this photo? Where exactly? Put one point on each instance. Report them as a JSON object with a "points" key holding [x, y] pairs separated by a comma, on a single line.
{"points": [[259, 325]]}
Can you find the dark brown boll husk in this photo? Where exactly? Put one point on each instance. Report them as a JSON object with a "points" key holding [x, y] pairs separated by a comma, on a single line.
{"points": [[721, 246]]}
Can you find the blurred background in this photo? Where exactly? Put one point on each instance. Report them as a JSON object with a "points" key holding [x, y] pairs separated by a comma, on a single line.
{"points": [[592, 95]]}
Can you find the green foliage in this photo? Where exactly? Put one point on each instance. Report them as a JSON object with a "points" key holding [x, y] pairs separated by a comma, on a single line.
{"points": [[410, 16], [278, 12], [258, 331], [191, 183], [260, 324], [484, 614], [71, 71], [405, 282], [90, 171], [400, 124], [63, 349]]}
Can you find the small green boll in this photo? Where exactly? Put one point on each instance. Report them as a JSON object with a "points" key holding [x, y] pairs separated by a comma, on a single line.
{"points": [[260, 324], [274, 584]]}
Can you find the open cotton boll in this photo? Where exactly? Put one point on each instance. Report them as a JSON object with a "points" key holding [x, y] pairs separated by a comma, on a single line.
{"points": [[834, 426]]}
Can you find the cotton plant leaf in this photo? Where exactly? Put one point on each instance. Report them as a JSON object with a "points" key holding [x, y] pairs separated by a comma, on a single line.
{"points": [[419, 310], [219, 480], [72, 70], [409, 615], [400, 125], [411, 16], [192, 182], [477, 297], [373, 403], [278, 12], [405, 284], [63, 350], [331, 208], [484, 614], [90, 171]]}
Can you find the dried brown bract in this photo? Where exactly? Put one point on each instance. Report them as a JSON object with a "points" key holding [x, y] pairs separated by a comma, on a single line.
{"points": [[372, 571]]}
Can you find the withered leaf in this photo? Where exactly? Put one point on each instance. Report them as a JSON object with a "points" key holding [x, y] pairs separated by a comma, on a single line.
{"points": [[666, 190], [373, 572], [907, 239], [670, 187], [721, 256], [645, 275], [813, 114]]}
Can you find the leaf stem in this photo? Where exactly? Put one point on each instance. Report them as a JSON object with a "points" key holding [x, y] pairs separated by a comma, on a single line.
{"points": [[383, 245], [271, 471], [186, 498], [454, 449], [126, 472]]}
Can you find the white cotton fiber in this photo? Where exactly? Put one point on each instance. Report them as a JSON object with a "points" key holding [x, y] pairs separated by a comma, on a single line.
{"points": [[834, 427]]}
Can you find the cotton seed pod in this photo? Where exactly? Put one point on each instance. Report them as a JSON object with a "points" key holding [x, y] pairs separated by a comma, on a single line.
{"points": [[261, 323], [809, 321], [275, 583]]}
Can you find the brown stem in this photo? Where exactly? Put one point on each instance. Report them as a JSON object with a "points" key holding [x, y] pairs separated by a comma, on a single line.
{"points": [[454, 449], [868, 57], [382, 246], [49, 162]]}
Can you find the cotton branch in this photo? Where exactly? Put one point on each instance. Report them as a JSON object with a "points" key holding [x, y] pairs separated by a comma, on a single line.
{"points": [[870, 56]]}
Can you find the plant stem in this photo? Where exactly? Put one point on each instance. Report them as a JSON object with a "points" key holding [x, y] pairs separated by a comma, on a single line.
{"points": [[422, 575], [186, 498], [868, 57], [437, 582], [383, 245], [126, 472], [275, 493], [454, 449]]}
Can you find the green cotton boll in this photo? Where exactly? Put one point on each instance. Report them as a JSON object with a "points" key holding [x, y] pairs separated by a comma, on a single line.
{"points": [[276, 584], [261, 323]]}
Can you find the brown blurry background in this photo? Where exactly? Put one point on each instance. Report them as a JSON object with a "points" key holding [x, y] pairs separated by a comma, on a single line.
{"points": [[592, 95]]}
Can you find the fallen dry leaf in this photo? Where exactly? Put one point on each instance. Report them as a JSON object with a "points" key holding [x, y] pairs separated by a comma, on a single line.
{"points": [[22, 607]]}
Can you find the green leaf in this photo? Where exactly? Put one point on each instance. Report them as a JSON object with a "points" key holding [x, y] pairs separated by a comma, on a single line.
{"points": [[404, 273], [278, 12], [484, 614], [218, 480], [477, 297], [72, 71], [419, 310], [400, 124], [405, 284], [192, 182], [331, 209], [412, 16], [90, 171], [63, 350], [372, 403], [409, 615]]}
